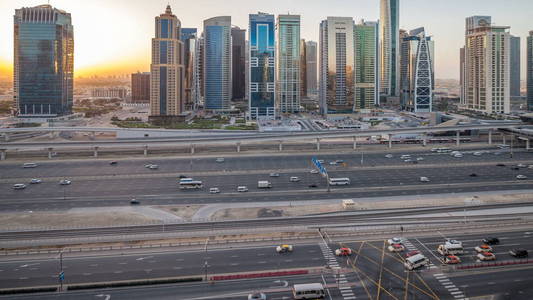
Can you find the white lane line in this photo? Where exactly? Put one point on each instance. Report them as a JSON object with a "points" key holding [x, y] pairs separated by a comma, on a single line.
{"points": [[453, 290]]}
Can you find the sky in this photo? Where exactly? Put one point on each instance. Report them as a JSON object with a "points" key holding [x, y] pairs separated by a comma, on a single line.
{"points": [[114, 36]]}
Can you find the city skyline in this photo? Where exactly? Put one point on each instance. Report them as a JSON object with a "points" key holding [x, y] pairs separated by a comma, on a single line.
{"points": [[128, 53]]}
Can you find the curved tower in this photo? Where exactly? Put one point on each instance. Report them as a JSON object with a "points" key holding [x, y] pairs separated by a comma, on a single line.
{"points": [[390, 47]]}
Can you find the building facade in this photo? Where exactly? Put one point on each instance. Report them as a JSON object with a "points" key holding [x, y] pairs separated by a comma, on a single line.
{"points": [[167, 72], [288, 64], [366, 65], [462, 96], [390, 46], [530, 71], [43, 62], [238, 42], [140, 87], [417, 71], [189, 37], [515, 66], [487, 68], [337, 65], [311, 67], [109, 93], [217, 63], [262, 86]]}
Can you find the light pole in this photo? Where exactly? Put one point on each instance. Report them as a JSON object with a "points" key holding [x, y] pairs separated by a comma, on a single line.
{"points": [[511, 153]]}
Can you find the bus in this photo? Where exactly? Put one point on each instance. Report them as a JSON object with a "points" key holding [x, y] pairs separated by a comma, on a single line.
{"points": [[308, 291], [339, 181], [189, 183]]}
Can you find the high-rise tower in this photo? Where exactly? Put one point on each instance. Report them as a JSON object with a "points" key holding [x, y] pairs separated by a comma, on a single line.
{"points": [[43, 62], [238, 52], [366, 65], [390, 47], [311, 67], [530, 71], [288, 64]]}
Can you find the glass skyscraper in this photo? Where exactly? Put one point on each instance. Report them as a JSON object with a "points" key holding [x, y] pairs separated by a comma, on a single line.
{"points": [[311, 67], [515, 66], [366, 65], [217, 63], [43, 62], [262, 91], [530, 71], [390, 47], [288, 63], [238, 59], [189, 38]]}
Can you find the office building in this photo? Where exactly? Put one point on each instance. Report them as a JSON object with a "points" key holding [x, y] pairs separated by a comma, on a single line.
{"points": [[140, 87], [217, 63], [337, 65], [366, 65], [417, 71], [238, 69], [515, 66], [109, 93], [462, 65], [288, 64], [43, 62], [262, 91], [529, 72], [311, 67], [390, 46], [189, 37], [303, 68], [487, 67], [167, 70]]}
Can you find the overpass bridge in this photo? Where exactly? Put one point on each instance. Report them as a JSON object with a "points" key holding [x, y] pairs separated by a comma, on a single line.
{"points": [[209, 138]]}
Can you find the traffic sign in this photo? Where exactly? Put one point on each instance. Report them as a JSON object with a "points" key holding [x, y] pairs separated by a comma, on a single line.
{"points": [[62, 276], [319, 166]]}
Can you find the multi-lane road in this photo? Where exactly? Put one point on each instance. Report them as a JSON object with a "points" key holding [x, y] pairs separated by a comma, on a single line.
{"points": [[97, 183], [370, 269]]}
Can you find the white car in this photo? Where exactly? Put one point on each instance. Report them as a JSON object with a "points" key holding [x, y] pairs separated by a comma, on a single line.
{"points": [[314, 171], [220, 160], [35, 181], [294, 179], [274, 174], [389, 156], [153, 167], [419, 158], [486, 256], [394, 240], [214, 190], [65, 182], [454, 242], [458, 155], [19, 186], [478, 153], [521, 177], [424, 179], [396, 248], [333, 163], [147, 165], [242, 189], [405, 156], [521, 166]]}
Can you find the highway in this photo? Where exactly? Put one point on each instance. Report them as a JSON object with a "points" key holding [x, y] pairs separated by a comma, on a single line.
{"points": [[97, 183], [368, 268]]}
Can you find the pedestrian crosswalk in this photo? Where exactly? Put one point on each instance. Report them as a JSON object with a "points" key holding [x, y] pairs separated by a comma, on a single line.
{"points": [[345, 289], [410, 247], [449, 286]]}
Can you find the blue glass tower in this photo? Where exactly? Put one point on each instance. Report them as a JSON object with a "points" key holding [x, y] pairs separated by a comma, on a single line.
{"points": [[217, 63], [262, 89], [44, 62]]}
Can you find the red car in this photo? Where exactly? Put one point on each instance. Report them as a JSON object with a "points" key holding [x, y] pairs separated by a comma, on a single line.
{"points": [[343, 252], [412, 253]]}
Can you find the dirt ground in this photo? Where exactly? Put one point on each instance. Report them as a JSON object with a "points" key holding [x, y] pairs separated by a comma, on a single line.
{"points": [[183, 211]]}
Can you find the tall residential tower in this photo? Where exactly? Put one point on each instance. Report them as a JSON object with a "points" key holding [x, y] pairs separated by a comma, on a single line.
{"points": [[390, 47], [530, 71], [288, 64], [238, 58], [366, 65], [311, 68]]}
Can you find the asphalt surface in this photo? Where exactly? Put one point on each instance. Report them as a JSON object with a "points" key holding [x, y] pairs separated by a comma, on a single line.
{"points": [[97, 183], [370, 266]]}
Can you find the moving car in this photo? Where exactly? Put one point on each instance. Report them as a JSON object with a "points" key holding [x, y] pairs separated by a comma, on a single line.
{"points": [[389, 156], [308, 291], [333, 163], [483, 248], [314, 171], [500, 165], [416, 261], [452, 241], [294, 179], [65, 182], [450, 249], [153, 167], [478, 153], [214, 190], [35, 181], [220, 160], [419, 158], [473, 175], [424, 179], [274, 174], [521, 177], [284, 248], [396, 248], [147, 165], [134, 202], [19, 186], [412, 253], [313, 185], [343, 251], [519, 253], [452, 260], [491, 241], [486, 256], [242, 189], [29, 165], [113, 163], [257, 296], [521, 166], [394, 240]]}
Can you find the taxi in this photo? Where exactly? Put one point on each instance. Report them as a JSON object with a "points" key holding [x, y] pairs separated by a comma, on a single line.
{"points": [[452, 260], [284, 248], [483, 248], [396, 248], [343, 252]]}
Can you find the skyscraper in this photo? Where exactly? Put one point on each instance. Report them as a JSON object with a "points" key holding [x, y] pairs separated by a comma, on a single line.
{"points": [[43, 62], [337, 65], [366, 65], [530, 71], [288, 85], [390, 45], [167, 70], [417, 76], [311, 67], [515, 66], [462, 65], [217, 63], [303, 68], [140, 87], [189, 38], [487, 66], [238, 41], [262, 66]]}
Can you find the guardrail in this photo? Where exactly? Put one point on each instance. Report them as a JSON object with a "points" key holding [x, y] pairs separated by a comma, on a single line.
{"points": [[494, 264], [259, 275]]}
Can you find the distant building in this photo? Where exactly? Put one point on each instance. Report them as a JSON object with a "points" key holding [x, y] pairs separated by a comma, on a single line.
{"points": [[288, 64], [303, 68], [530, 71], [337, 65], [217, 63], [487, 66], [366, 65], [167, 70], [189, 38], [311, 68], [417, 71], [515, 66], [262, 85], [238, 69], [140, 87], [462, 65], [43, 62], [109, 92], [390, 47]]}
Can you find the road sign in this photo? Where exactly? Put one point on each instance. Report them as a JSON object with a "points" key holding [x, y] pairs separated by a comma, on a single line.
{"points": [[62, 276], [319, 166]]}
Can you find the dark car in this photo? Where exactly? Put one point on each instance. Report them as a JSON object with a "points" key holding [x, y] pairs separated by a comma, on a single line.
{"points": [[500, 165], [114, 163], [135, 202], [519, 253], [491, 241], [183, 176], [312, 185], [473, 175], [515, 168]]}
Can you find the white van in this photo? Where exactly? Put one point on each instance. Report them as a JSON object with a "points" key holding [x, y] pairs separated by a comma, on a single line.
{"points": [[450, 249], [29, 165], [294, 179], [242, 188], [263, 184], [214, 190], [416, 261], [308, 291]]}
